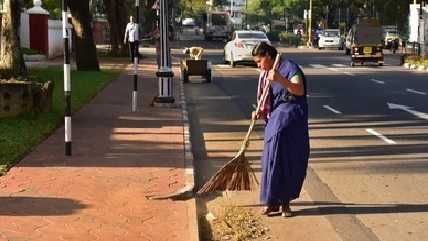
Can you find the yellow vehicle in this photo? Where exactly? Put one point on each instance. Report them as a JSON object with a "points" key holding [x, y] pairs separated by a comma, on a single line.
{"points": [[366, 42]]}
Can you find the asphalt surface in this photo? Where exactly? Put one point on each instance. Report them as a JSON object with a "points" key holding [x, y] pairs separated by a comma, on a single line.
{"points": [[369, 139]]}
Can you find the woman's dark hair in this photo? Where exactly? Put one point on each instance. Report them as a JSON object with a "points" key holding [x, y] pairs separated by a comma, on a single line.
{"points": [[262, 49]]}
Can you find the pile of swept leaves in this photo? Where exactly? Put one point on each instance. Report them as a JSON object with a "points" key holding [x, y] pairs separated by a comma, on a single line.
{"points": [[237, 224]]}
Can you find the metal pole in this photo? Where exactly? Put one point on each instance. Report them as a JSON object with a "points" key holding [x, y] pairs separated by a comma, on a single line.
{"points": [[419, 28], [67, 80], [164, 73], [246, 14], [136, 42], [310, 25], [231, 8]]}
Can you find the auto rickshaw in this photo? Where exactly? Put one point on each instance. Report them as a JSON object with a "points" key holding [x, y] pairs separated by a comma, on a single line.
{"points": [[193, 65]]}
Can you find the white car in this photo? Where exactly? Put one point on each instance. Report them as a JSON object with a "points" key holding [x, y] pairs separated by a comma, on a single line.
{"points": [[330, 38], [240, 48]]}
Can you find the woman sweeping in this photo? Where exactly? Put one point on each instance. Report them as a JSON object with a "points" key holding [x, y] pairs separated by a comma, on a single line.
{"points": [[286, 141]]}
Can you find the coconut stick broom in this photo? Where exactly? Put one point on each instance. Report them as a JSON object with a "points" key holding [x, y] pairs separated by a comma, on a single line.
{"points": [[237, 174]]}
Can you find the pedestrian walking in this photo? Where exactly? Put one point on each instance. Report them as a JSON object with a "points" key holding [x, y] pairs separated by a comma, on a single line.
{"points": [[131, 37], [286, 139]]}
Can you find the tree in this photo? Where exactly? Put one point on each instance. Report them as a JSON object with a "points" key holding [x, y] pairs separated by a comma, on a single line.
{"points": [[192, 8], [85, 50], [11, 59], [220, 2], [117, 16]]}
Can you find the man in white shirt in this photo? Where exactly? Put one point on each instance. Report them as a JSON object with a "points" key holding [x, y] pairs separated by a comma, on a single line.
{"points": [[131, 36]]}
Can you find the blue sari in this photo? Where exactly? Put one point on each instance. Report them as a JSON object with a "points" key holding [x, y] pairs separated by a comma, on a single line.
{"points": [[286, 142]]}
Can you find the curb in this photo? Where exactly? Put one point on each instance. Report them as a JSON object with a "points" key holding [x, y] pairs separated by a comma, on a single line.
{"points": [[189, 171]]}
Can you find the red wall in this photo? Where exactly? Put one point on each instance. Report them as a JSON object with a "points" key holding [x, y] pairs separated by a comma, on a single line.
{"points": [[39, 38]]}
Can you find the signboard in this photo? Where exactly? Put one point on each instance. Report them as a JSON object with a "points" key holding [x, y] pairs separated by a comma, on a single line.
{"points": [[413, 22]]}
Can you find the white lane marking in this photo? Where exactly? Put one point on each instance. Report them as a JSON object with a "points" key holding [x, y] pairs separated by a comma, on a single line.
{"points": [[334, 70], [384, 138], [225, 66], [416, 92], [349, 74], [378, 81], [339, 65], [419, 114], [318, 66], [331, 109]]}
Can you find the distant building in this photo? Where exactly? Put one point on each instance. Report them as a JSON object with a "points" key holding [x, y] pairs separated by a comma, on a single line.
{"points": [[237, 10]]}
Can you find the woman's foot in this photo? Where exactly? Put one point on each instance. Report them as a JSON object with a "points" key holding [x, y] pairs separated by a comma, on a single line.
{"points": [[270, 209], [286, 210]]}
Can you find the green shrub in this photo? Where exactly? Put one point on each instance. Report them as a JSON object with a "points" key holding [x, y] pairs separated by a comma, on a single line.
{"points": [[414, 59], [289, 39], [273, 35]]}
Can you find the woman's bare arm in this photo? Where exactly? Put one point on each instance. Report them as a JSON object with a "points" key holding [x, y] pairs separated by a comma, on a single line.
{"points": [[294, 86]]}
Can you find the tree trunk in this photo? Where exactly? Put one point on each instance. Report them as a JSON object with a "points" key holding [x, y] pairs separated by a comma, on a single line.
{"points": [[85, 50], [11, 60], [117, 17]]}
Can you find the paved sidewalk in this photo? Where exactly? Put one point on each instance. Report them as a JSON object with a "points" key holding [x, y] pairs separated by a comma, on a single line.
{"points": [[120, 159]]}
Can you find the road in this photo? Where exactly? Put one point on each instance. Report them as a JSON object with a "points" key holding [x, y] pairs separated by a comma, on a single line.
{"points": [[369, 142]]}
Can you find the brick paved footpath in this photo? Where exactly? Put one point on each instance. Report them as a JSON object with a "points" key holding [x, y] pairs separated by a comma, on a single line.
{"points": [[102, 192]]}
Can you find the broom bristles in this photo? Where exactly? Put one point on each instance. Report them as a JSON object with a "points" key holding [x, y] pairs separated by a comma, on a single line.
{"points": [[235, 175]]}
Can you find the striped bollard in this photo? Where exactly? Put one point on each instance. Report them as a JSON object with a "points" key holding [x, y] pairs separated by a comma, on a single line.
{"points": [[135, 89], [67, 81]]}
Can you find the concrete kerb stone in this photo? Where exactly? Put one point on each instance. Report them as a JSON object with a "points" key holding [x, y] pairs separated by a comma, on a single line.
{"points": [[189, 168]]}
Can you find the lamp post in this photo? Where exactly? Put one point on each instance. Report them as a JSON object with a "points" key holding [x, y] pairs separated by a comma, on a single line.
{"points": [[164, 73], [231, 9], [246, 14]]}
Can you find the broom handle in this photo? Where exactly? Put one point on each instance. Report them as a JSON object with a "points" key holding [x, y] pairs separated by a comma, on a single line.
{"points": [[259, 105]]}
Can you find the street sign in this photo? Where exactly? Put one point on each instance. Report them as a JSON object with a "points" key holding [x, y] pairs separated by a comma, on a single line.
{"points": [[414, 23]]}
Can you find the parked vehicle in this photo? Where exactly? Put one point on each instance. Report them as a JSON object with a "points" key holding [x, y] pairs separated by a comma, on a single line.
{"points": [[364, 42], [240, 48], [217, 25], [330, 38]]}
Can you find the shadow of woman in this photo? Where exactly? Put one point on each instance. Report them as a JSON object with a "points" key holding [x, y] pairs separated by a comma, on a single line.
{"points": [[38, 206]]}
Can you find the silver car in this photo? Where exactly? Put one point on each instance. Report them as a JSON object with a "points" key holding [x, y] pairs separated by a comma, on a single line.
{"points": [[240, 48], [330, 38]]}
